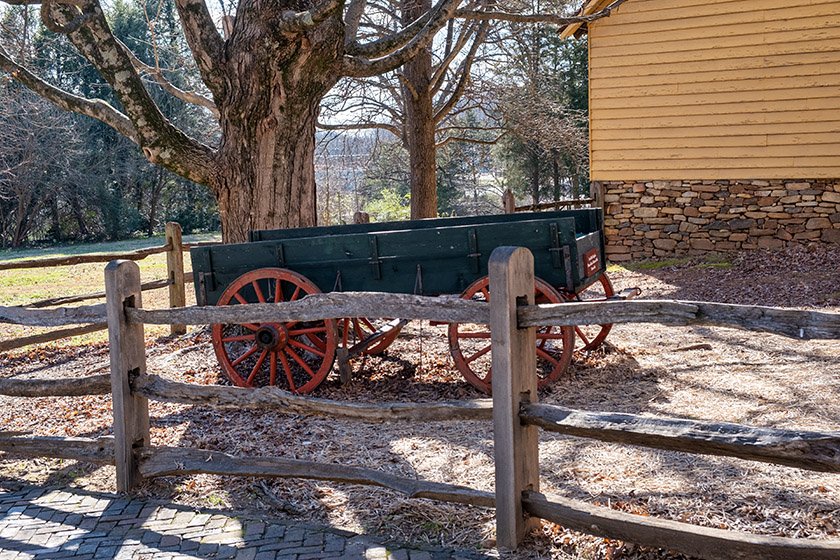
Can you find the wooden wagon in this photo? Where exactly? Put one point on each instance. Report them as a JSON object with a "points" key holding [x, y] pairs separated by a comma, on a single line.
{"points": [[445, 256]]}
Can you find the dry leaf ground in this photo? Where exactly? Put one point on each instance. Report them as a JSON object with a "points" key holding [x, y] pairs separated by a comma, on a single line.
{"points": [[731, 375]]}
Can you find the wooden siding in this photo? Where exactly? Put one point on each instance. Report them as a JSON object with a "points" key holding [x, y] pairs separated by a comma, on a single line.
{"points": [[715, 89]]}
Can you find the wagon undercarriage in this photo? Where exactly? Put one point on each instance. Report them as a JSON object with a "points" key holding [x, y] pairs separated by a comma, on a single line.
{"points": [[426, 257]]}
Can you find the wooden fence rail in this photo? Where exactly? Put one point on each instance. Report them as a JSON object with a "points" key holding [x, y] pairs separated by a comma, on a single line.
{"points": [[50, 336], [74, 387], [693, 540], [156, 388], [514, 410], [168, 461], [92, 450], [509, 204], [788, 322], [93, 317], [514, 267], [53, 317], [816, 451]]}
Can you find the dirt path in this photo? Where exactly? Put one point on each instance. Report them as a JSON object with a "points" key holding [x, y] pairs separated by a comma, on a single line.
{"points": [[729, 375]]}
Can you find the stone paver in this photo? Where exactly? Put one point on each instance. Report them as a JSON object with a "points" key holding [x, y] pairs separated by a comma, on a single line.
{"points": [[41, 523]]}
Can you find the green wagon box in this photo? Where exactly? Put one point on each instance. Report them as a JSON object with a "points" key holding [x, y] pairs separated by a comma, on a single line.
{"points": [[442, 256]]}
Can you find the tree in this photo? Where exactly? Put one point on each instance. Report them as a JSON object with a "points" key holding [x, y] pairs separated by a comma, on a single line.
{"points": [[265, 81], [37, 144], [417, 103], [545, 105]]}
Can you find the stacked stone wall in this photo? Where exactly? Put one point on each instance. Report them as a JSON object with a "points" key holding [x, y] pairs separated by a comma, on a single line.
{"points": [[667, 218]]}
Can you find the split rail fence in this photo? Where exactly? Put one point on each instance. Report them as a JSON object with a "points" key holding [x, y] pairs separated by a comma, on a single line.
{"points": [[510, 207], [514, 410], [175, 281]]}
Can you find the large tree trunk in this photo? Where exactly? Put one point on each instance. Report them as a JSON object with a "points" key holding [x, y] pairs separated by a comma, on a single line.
{"points": [[274, 85], [419, 121]]}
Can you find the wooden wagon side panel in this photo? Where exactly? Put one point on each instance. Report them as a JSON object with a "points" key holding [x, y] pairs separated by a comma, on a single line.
{"points": [[431, 257]]}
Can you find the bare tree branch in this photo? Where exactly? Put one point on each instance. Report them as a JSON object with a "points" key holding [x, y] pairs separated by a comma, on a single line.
{"points": [[537, 18], [360, 67], [51, 24], [352, 19], [392, 41], [161, 141], [204, 40], [188, 96], [96, 108], [77, 3], [451, 54], [362, 126], [466, 66], [469, 140]]}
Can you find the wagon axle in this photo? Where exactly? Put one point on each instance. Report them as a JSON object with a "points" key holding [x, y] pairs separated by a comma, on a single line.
{"points": [[452, 253], [272, 337]]}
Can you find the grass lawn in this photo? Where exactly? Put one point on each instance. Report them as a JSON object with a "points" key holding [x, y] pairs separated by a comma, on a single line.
{"points": [[25, 286]]}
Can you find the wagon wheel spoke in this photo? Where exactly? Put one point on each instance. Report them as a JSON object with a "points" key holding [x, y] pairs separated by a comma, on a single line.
{"points": [[478, 354], [582, 336], [242, 301], [288, 369], [300, 361], [305, 350], [307, 330], [591, 337], [550, 336], [278, 292], [259, 364], [473, 334], [345, 331], [471, 356], [239, 338], [546, 356], [257, 291], [241, 358], [306, 347], [364, 321]]}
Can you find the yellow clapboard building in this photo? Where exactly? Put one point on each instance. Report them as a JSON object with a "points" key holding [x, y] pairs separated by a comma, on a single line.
{"points": [[715, 124]]}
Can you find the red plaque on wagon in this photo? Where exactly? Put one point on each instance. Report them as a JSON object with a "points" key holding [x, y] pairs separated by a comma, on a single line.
{"points": [[591, 263]]}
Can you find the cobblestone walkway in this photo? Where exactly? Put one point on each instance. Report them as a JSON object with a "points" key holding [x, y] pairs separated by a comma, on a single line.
{"points": [[70, 523]]}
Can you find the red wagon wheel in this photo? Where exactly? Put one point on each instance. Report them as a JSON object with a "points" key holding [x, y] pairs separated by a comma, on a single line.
{"points": [[590, 337], [470, 343], [295, 355], [357, 329]]}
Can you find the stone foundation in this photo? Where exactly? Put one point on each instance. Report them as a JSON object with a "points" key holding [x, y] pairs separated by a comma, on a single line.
{"points": [[667, 218]]}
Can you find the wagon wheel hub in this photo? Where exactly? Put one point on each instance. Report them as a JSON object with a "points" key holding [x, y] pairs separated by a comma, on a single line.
{"points": [[272, 337]]}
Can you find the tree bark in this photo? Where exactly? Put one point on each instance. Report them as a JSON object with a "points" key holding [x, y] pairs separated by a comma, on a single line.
{"points": [[420, 121], [272, 87]]}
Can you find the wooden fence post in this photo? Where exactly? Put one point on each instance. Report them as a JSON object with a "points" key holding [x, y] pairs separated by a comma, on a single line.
{"points": [[596, 193], [509, 202], [128, 359], [175, 271], [514, 382]]}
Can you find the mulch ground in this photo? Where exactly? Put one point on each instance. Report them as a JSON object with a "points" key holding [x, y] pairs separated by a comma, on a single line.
{"points": [[698, 372]]}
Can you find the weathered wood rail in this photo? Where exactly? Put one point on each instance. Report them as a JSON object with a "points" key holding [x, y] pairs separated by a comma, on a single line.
{"points": [[514, 410], [93, 317], [509, 204]]}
